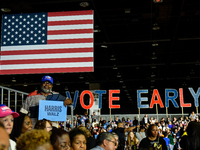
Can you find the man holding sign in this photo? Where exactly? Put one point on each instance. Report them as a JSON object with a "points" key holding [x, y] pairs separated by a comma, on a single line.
{"points": [[31, 103]]}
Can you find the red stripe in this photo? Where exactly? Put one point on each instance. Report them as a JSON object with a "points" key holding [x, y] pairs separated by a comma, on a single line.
{"points": [[70, 22], [79, 31], [49, 51], [47, 70], [70, 13], [64, 41], [39, 61]]}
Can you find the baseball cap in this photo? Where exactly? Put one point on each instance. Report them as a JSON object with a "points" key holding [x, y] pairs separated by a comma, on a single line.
{"points": [[47, 78], [5, 111]]}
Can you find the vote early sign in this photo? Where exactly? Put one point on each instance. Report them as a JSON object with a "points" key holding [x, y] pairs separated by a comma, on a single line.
{"points": [[52, 110]]}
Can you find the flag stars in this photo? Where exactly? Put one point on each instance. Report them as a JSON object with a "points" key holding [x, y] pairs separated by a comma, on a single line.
{"points": [[24, 29]]}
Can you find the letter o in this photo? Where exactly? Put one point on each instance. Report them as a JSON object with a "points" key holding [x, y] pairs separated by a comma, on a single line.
{"points": [[81, 99]]}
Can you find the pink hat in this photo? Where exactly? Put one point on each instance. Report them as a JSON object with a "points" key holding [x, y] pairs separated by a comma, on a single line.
{"points": [[5, 111]]}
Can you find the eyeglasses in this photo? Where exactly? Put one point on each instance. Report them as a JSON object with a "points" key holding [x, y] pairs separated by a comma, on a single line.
{"points": [[112, 142]]}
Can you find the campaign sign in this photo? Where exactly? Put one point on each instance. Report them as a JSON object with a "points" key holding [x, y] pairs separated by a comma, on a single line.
{"points": [[52, 110]]}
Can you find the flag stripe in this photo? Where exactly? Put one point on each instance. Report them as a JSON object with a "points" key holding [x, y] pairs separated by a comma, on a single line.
{"points": [[65, 18], [52, 46], [80, 31], [64, 41], [70, 36], [70, 22], [70, 27], [70, 13], [46, 56], [47, 65], [38, 61], [47, 51], [47, 70]]}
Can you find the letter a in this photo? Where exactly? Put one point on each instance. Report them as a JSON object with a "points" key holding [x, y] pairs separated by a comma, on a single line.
{"points": [[153, 101]]}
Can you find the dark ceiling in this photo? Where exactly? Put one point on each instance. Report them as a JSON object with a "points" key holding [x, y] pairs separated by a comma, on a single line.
{"points": [[129, 54]]}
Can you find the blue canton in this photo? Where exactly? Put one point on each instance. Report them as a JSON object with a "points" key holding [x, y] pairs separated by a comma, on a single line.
{"points": [[24, 29]]}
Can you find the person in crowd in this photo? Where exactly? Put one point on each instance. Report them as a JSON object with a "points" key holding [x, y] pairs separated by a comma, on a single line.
{"points": [[4, 138], [45, 93], [171, 140], [176, 132], [95, 123], [109, 128], [60, 139], [78, 139], [117, 120], [22, 124], [34, 140], [85, 119], [135, 123], [94, 116], [152, 140], [165, 128], [132, 141], [168, 120], [174, 120], [177, 145], [152, 121], [141, 134], [187, 120], [101, 121], [91, 142], [120, 131], [128, 121], [167, 140], [43, 124], [191, 141], [105, 141], [170, 125], [116, 139], [193, 116], [159, 126], [7, 119], [145, 120]]}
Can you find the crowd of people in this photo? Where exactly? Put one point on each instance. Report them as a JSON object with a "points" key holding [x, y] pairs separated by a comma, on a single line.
{"points": [[175, 134], [22, 131]]}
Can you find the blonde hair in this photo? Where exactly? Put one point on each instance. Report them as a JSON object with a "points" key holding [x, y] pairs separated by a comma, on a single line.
{"points": [[120, 124], [129, 139], [85, 130], [32, 139]]}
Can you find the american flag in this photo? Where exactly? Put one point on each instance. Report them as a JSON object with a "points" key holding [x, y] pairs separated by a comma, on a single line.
{"points": [[47, 42]]}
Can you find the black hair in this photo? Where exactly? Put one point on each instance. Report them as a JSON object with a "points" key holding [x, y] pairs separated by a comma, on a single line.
{"points": [[17, 127], [55, 133], [148, 132], [74, 132], [193, 137]]}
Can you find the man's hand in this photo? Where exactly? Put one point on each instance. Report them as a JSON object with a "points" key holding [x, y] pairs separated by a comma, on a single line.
{"points": [[67, 102]]}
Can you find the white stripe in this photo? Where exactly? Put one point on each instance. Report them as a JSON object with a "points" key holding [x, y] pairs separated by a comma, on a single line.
{"points": [[70, 36], [75, 17], [70, 27], [47, 65], [47, 56], [45, 46]]}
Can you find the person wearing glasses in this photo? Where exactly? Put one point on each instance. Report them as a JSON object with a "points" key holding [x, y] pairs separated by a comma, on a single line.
{"points": [[45, 93], [105, 141], [43, 124]]}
